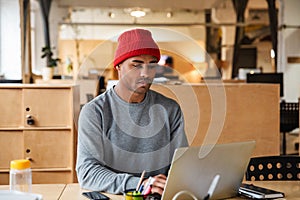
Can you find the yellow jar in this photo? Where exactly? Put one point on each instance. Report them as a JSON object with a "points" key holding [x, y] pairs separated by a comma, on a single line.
{"points": [[20, 178]]}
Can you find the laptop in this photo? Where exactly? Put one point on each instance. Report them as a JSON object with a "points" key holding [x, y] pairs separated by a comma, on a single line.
{"points": [[217, 170]]}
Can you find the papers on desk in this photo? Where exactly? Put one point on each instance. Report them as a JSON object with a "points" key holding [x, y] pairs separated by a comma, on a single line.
{"points": [[12, 195], [256, 192]]}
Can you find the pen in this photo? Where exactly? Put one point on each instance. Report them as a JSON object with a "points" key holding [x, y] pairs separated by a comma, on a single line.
{"points": [[212, 187], [147, 188], [140, 181], [206, 197], [141, 188]]}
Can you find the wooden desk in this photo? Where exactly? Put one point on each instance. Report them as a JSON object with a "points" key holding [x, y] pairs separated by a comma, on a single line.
{"points": [[290, 188], [48, 191], [74, 192]]}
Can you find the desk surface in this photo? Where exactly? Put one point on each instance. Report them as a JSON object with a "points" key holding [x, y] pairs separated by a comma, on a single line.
{"points": [[290, 188], [48, 191], [73, 191]]}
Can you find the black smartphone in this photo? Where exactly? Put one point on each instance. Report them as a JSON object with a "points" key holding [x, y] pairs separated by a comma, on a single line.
{"points": [[95, 195]]}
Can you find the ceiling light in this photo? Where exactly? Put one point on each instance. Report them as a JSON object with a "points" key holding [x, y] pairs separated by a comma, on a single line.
{"points": [[169, 14], [137, 13], [272, 53], [111, 15]]}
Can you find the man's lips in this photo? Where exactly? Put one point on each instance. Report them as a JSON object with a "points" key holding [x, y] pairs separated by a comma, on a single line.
{"points": [[144, 81]]}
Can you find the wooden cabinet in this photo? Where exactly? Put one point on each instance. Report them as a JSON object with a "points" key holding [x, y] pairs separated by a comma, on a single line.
{"points": [[229, 112], [38, 122]]}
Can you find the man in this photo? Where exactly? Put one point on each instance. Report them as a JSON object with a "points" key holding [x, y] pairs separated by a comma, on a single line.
{"points": [[129, 128]]}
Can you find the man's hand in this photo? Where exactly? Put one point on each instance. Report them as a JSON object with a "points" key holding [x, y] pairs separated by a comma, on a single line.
{"points": [[158, 183]]}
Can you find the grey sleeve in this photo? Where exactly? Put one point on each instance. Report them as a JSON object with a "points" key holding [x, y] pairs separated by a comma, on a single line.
{"points": [[91, 172], [177, 129]]}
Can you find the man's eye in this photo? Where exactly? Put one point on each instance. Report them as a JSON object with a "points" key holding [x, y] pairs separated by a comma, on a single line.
{"points": [[152, 66], [137, 66], [140, 66]]}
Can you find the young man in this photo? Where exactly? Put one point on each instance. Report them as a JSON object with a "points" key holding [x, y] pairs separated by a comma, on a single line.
{"points": [[129, 128]]}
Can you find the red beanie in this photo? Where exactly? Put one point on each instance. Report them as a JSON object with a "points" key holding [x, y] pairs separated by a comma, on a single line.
{"points": [[133, 43]]}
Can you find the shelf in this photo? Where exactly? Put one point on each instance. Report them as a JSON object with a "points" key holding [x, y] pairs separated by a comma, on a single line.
{"points": [[35, 128], [43, 170]]}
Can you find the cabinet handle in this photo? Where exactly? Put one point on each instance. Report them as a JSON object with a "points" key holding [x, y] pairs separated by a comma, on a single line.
{"points": [[30, 159], [30, 120]]}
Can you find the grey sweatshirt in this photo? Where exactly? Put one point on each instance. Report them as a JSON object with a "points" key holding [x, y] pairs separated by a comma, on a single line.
{"points": [[118, 140]]}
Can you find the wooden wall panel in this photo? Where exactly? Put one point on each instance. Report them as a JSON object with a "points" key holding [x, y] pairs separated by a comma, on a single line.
{"points": [[226, 113]]}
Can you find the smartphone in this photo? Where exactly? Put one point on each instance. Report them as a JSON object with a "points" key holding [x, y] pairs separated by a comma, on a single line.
{"points": [[95, 195]]}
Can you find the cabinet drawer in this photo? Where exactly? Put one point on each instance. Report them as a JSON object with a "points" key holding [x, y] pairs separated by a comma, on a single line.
{"points": [[4, 178], [52, 177], [49, 149], [12, 145], [43, 177], [11, 108], [48, 107]]}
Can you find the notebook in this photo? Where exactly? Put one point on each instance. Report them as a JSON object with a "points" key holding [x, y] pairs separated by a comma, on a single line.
{"points": [[218, 168], [256, 192]]}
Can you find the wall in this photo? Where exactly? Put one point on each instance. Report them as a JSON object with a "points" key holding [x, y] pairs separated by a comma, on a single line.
{"points": [[289, 46], [56, 16], [85, 25], [255, 29], [288, 40], [189, 54], [98, 55]]}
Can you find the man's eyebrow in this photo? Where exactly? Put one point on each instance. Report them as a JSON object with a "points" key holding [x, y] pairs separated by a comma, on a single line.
{"points": [[137, 61], [140, 61]]}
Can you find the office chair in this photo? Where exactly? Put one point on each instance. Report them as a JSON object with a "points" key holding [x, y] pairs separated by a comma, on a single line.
{"points": [[272, 168], [289, 120], [89, 97], [101, 85]]}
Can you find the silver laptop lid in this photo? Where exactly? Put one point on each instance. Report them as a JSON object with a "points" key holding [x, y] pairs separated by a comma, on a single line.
{"points": [[194, 168]]}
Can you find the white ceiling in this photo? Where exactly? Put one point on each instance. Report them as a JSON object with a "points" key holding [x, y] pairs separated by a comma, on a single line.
{"points": [[153, 4], [157, 4]]}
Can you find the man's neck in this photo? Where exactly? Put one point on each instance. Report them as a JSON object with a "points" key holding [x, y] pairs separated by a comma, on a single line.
{"points": [[127, 95]]}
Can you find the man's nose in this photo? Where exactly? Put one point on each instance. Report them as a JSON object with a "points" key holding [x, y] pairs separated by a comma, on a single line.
{"points": [[145, 71]]}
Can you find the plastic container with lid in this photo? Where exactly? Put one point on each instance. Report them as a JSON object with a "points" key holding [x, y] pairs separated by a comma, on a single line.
{"points": [[20, 178]]}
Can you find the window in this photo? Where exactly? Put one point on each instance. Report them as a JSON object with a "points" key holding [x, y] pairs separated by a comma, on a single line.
{"points": [[10, 39]]}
